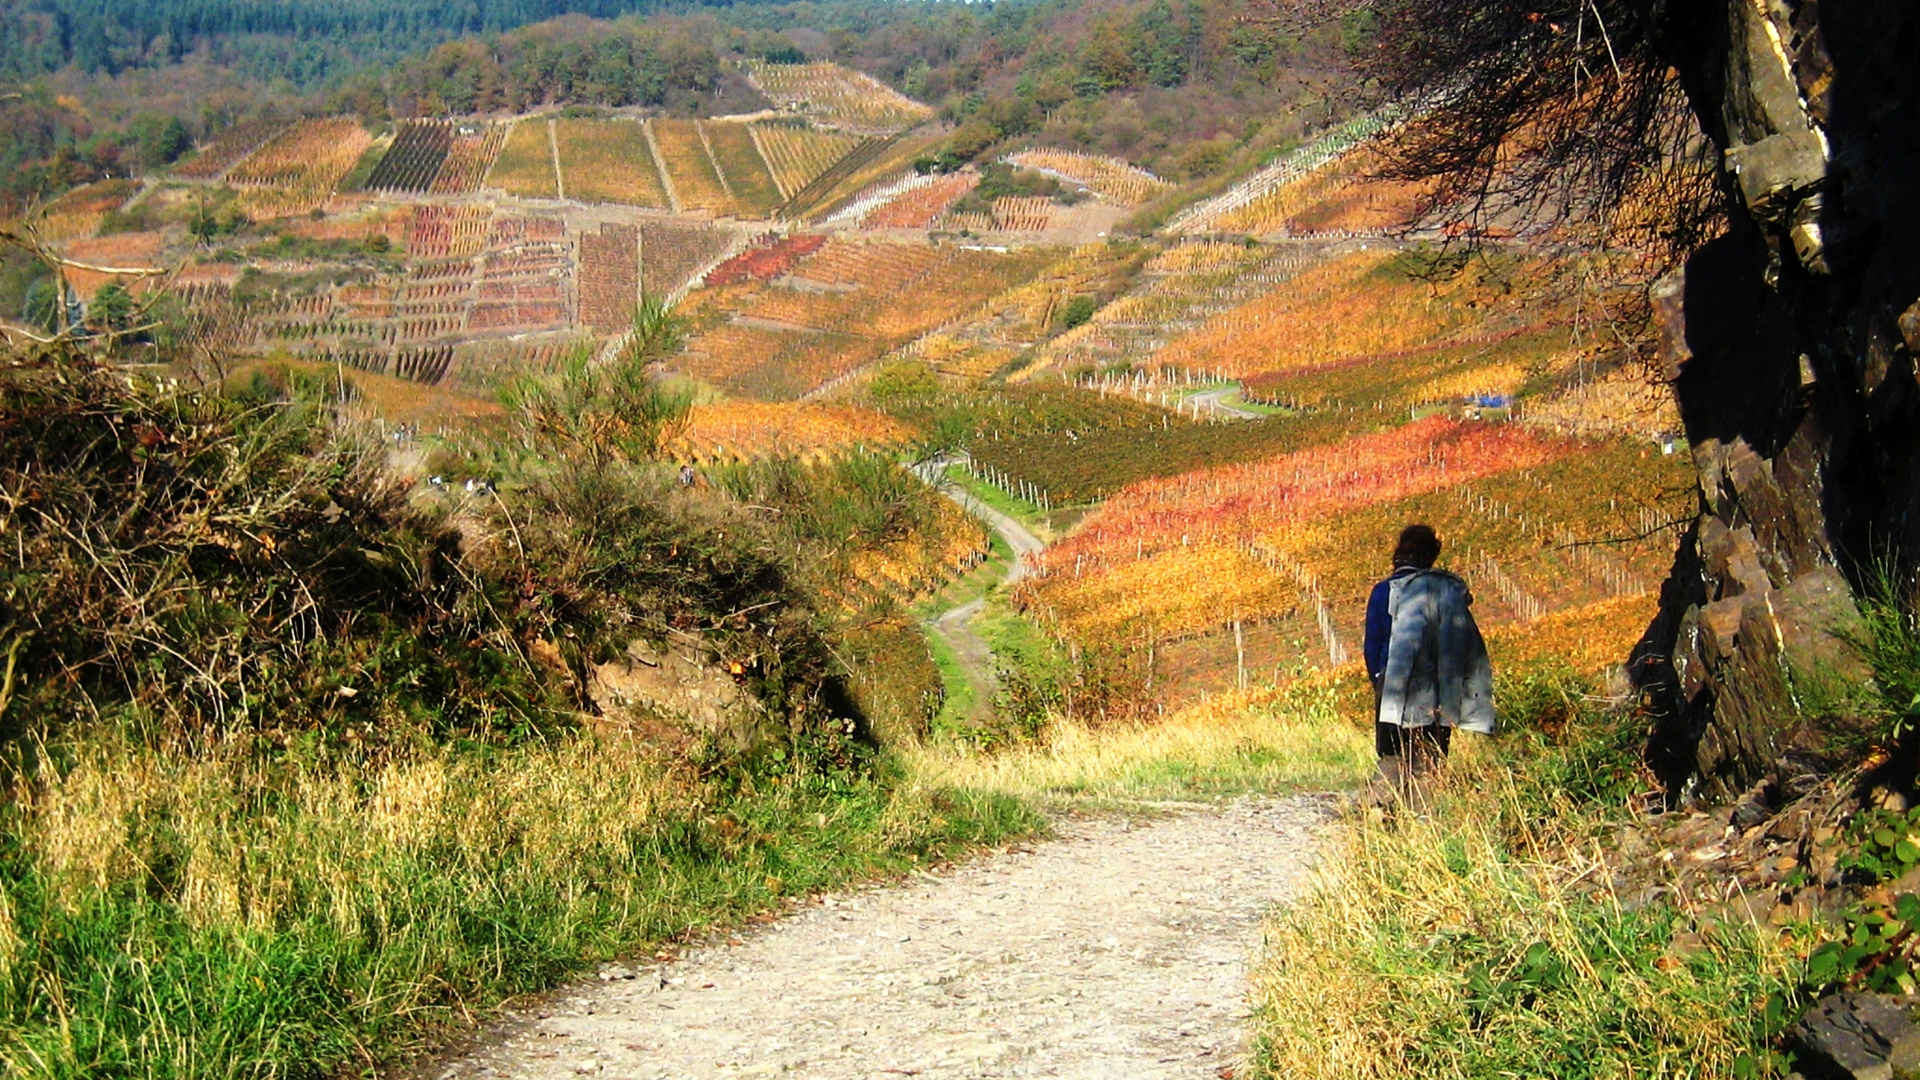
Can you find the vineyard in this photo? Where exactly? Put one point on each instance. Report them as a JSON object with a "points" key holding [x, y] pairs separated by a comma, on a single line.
{"points": [[838, 96], [475, 145], [1206, 217], [523, 280], [751, 190], [79, 212], [752, 430], [796, 155], [447, 232], [690, 168], [1079, 466], [848, 305], [298, 169], [609, 277], [608, 161], [524, 166], [1030, 213], [873, 164], [1365, 304], [1111, 178], [213, 160], [920, 203], [993, 336], [1261, 509], [1337, 197], [419, 149], [1475, 371], [1178, 291], [672, 254], [766, 261]]}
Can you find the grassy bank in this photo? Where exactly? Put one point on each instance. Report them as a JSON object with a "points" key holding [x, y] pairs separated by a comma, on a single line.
{"points": [[172, 914], [1257, 741], [1483, 938], [306, 759]]}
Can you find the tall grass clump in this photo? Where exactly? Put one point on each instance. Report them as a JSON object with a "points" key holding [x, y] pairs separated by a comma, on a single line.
{"points": [[1481, 937]]}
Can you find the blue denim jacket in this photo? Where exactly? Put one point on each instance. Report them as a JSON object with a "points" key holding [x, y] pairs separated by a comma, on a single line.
{"points": [[1436, 671]]}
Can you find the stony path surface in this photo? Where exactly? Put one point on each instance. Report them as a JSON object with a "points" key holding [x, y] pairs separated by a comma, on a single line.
{"points": [[1116, 951]]}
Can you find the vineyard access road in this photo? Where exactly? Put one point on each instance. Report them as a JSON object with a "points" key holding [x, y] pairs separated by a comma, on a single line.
{"points": [[955, 625], [1217, 400], [1118, 949]]}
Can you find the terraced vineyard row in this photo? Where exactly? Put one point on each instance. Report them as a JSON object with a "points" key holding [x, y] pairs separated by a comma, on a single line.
{"points": [[1177, 292], [524, 166], [448, 232], [299, 168], [837, 95], [1111, 178], [411, 163]]}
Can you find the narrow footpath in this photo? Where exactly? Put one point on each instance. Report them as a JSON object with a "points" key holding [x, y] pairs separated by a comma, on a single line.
{"points": [[955, 625], [1116, 951]]}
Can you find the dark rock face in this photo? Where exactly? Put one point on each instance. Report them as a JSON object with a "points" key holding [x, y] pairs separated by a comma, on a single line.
{"points": [[1851, 1037], [1791, 345]]}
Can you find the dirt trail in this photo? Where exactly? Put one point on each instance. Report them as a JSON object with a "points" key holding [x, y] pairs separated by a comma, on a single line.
{"points": [[955, 625], [1115, 952], [1216, 400]]}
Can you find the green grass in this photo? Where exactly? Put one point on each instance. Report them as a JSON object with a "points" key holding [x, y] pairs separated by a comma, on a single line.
{"points": [[959, 701], [287, 918], [1048, 525]]}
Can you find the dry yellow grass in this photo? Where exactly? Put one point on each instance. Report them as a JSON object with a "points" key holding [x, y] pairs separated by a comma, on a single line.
{"points": [[1372, 974], [351, 834], [1259, 740]]}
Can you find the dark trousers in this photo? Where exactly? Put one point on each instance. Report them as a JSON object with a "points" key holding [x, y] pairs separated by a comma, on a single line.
{"points": [[1392, 740]]}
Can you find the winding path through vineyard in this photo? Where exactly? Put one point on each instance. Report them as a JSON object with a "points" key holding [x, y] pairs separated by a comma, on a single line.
{"points": [[1118, 949], [955, 625]]}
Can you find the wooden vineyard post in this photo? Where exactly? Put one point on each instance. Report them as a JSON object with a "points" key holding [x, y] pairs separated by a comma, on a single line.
{"points": [[1239, 655]]}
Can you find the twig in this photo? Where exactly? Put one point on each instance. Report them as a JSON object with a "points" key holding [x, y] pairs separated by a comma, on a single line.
{"points": [[13, 657]]}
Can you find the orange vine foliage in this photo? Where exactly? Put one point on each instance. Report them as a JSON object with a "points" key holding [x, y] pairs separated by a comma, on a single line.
{"points": [[1345, 309], [1123, 559], [745, 430]]}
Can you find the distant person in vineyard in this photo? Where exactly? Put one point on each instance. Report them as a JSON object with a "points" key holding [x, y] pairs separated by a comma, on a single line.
{"points": [[1427, 661]]}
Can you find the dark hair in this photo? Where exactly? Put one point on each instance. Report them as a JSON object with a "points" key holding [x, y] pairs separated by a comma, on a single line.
{"points": [[1418, 546]]}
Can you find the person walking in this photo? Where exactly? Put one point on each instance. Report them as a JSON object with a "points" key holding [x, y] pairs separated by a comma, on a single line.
{"points": [[1427, 661]]}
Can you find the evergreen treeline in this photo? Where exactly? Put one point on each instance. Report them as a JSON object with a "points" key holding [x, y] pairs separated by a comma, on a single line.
{"points": [[301, 40]]}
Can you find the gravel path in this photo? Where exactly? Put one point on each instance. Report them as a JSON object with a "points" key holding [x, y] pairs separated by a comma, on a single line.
{"points": [[1116, 951]]}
